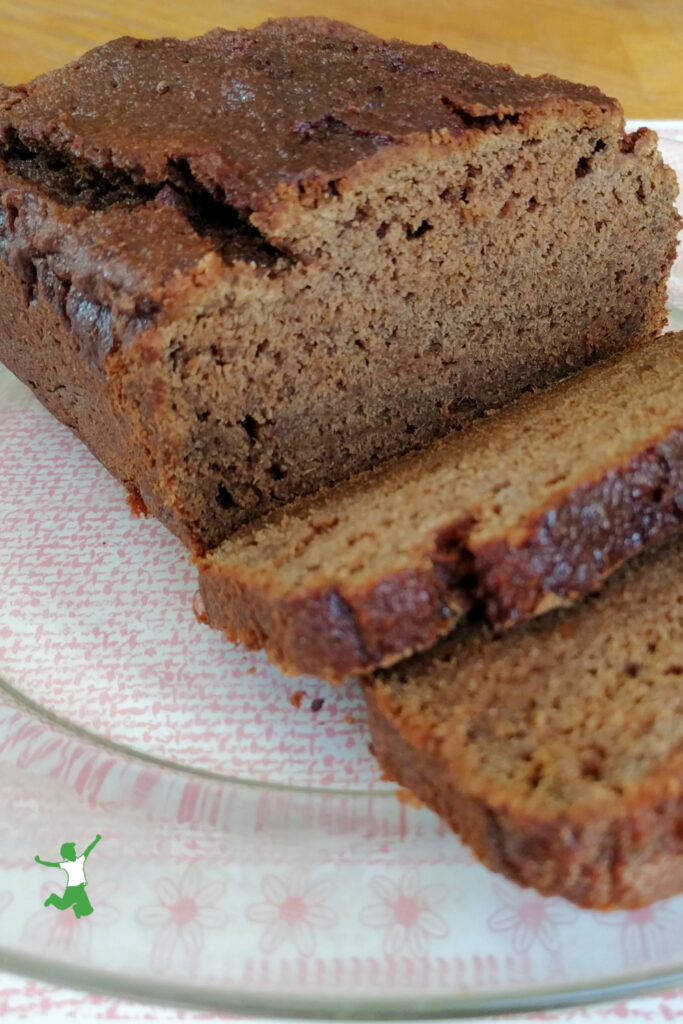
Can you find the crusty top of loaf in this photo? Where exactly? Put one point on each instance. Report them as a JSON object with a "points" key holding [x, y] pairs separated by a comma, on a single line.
{"points": [[241, 112]]}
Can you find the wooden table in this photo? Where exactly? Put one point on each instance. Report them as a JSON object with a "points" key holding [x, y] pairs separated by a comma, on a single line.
{"points": [[632, 49]]}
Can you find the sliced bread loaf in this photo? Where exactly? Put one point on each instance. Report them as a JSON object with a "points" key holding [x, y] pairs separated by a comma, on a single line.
{"points": [[524, 510], [245, 266], [556, 749]]}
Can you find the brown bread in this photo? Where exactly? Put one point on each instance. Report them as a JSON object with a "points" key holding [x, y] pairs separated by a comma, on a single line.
{"points": [[556, 749], [250, 264], [528, 508]]}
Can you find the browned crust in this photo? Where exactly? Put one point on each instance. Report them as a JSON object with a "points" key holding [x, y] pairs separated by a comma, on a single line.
{"points": [[327, 634], [40, 349], [570, 548], [561, 555], [43, 353], [307, 120], [630, 857]]}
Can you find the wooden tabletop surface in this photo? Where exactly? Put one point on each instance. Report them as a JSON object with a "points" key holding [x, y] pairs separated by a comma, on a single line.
{"points": [[632, 49]]}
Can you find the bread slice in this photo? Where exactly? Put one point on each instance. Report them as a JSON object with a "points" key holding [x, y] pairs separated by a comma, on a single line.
{"points": [[524, 510], [250, 264], [556, 749]]}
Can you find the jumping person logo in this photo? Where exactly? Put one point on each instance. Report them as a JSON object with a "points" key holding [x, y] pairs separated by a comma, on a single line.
{"points": [[74, 895]]}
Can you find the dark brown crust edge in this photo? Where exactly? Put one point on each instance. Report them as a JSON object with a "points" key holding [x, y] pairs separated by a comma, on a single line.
{"points": [[46, 355], [564, 554], [574, 545], [323, 633], [630, 857]]}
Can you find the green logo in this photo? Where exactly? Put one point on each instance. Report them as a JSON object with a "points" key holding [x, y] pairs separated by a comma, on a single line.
{"points": [[74, 895]]}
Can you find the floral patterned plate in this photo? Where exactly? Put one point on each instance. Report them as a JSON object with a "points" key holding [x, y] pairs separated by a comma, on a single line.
{"points": [[251, 858]]}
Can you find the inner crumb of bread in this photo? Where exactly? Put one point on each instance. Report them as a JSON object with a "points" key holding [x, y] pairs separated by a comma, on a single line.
{"points": [[469, 489], [410, 317], [570, 709], [437, 280]]}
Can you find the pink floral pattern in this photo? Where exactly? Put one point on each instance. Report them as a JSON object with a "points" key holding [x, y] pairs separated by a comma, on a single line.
{"points": [[5, 900], [98, 628], [406, 912], [184, 909], [293, 909], [60, 932], [529, 918], [648, 935]]}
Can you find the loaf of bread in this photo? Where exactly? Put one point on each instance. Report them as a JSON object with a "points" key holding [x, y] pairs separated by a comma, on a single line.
{"points": [[527, 508], [251, 264], [556, 748]]}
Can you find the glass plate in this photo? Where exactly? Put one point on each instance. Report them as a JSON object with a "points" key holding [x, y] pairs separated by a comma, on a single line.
{"points": [[251, 859]]}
